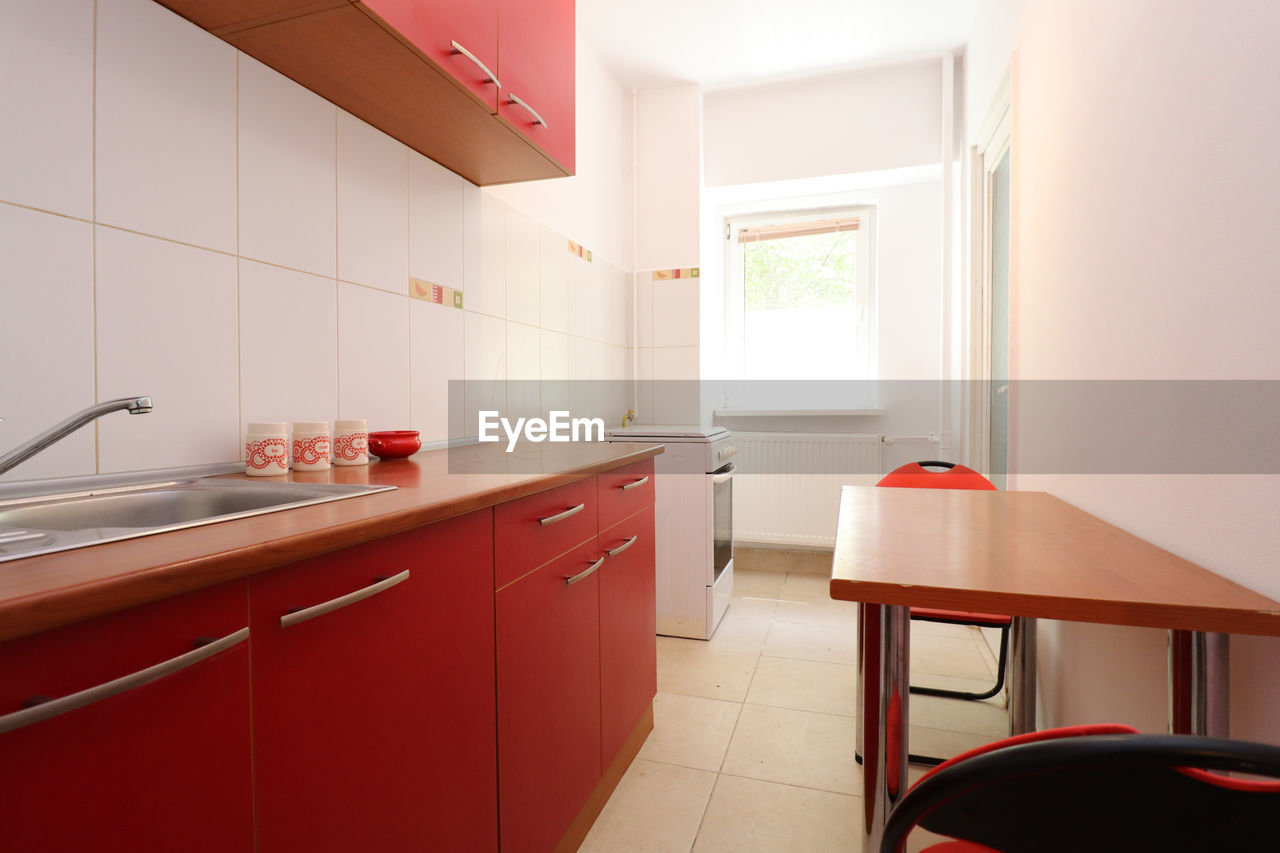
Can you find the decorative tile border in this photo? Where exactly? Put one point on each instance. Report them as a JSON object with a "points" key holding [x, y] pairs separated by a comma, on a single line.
{"points": [[665, 275], [576, 249], [436, 293]]}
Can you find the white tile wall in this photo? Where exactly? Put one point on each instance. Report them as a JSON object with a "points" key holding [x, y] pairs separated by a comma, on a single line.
{"points": [[287, 194], [524, 354], [253, 249], [46, 149], [165, 136], [676, 302], [166, 327], [523, 269], [487, 292], [644, 308], [436, 211], [373, 207], [288, 345], [435, 357], [484, 366], [581, 301], [46, 337], [373, 356], [554, 266]]}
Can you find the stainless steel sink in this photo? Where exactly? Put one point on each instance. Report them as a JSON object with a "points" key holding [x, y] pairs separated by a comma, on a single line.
{"points": [[40, 524]]}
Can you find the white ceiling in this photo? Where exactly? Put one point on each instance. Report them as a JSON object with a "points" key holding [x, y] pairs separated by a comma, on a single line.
{"points": [[723, 44]]}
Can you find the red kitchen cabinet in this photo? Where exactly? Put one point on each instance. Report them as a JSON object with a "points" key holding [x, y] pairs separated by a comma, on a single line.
{"points": [[624, 492], [374, 721], [461, 38], [628, 629], [158, 763], [537, 65], [548, 633]]}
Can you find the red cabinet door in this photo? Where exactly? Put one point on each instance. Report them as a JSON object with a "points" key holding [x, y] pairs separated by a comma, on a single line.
{"points": [[461, 38], [628, 630], [548, 700], [374, 722], [537, 65], [163, 765], [624, 491]]}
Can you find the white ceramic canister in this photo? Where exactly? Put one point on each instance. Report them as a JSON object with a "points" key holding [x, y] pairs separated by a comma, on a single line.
{"points": [[266, 449], [312, 446], [351, 442]]}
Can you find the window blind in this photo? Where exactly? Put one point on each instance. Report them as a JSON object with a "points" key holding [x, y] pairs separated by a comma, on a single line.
{"points": [[757, 233]]}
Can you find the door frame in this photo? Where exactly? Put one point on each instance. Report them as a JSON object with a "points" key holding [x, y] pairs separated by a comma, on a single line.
{"points": [[993, 141]]}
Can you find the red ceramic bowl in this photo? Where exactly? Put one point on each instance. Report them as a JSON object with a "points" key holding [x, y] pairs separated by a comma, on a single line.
{"points": [[395, 443]]}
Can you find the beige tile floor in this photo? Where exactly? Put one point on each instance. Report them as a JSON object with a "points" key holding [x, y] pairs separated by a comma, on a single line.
{"points": [[753, 739]]}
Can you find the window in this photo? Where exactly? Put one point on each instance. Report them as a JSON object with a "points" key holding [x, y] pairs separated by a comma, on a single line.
{"points": [[800, 306]]}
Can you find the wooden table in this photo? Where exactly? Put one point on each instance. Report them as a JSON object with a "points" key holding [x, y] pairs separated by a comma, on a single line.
{"points": [[1028, 555]]}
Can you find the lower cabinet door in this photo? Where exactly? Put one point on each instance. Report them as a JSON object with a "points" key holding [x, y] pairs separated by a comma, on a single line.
{"points": [[157, 754], [373, 678], [548, 699], [628, 630]]}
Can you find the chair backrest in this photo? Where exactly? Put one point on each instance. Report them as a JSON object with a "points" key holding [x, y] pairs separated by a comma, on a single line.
{"points": [[1062, 792], [916, 475]]}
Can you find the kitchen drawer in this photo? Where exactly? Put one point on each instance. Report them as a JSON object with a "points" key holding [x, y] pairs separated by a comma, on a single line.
{"points": [[160, 764], [624, 492], [530, 531]]}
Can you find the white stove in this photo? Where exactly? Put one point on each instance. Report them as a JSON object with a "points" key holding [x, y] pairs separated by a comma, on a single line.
{"points": [[693, 493]]}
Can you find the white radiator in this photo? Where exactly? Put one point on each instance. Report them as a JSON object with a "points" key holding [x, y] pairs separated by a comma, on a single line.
{"points": [[787, 489]]}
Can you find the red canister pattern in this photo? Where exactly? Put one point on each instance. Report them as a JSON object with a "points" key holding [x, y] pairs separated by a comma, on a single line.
{"points": [[311, 451], [351, 446], [266, 454]]}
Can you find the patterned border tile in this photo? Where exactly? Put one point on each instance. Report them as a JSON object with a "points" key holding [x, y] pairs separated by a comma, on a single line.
{"points": [[436, 293]]}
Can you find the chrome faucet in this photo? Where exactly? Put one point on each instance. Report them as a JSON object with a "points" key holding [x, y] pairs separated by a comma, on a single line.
{"points": [[20, 454]]}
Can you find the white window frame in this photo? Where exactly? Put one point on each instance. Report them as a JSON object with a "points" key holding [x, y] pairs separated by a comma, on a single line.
{"points": [[866, 351]]}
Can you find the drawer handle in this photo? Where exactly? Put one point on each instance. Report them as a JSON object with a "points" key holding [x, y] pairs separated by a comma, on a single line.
{"points": [[572, 579], [636, 484], [304, 613], [561, 516], [124, 683], [613, 552], [537, 119], [457, 48]]}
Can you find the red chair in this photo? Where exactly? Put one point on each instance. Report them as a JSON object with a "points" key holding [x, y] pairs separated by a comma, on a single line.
{"points": [[1102, 789], [916, 475]]}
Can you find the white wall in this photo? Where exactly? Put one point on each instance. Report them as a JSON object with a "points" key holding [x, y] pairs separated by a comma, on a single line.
{"points": [[866, 121], [178, 220], [1144, 188], [668, 176]]}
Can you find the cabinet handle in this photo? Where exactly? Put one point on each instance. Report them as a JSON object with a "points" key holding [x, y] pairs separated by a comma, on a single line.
{"points": [[305, 613], [97, 693], [537, 119], [726, 476], [636, 484], [561, 516], [572, 579], [457, 48], [613, 552]]}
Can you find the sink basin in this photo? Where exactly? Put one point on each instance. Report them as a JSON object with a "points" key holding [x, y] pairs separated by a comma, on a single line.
{"points": [[45, 523]]}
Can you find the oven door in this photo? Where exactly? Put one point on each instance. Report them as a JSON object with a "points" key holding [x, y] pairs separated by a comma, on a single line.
{"points": [[721, 520]]}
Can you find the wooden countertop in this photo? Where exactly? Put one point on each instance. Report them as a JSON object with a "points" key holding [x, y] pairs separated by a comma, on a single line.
{"points": [[1026, 554], [46, 591]]}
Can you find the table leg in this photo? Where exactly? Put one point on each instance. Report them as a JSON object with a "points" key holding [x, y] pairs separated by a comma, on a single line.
{"points": [[883, 693], [1022, 675], [1199, 682]]}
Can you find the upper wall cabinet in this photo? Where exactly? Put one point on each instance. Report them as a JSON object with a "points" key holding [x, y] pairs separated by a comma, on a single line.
{"points": [[431, 73], [536, 61]]}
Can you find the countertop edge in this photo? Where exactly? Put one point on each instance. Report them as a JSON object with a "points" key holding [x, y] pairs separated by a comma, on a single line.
{"points": [[31, 614]]}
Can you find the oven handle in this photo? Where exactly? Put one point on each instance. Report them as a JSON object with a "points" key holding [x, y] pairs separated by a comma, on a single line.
{"points": [[717, 479], [727, 453]]}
